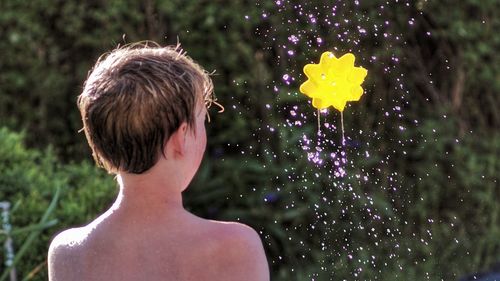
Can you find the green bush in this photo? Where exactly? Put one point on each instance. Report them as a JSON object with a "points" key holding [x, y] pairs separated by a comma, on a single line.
{"points": [[29, 180]]}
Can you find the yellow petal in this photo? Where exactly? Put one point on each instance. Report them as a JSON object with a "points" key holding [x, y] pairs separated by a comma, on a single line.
{"points": [[320, 103], [327, 61], [347, 59], [339, 104], [345, 63], [326, 57], [356, 93], [357, 75], [308, 88], [313, 72]]}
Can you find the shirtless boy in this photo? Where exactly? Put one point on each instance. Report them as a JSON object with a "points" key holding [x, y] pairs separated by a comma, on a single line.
{"points": [[144, 109]]}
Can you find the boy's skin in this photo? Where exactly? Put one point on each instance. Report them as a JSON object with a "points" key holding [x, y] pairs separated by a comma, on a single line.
{"points": [[148, 235]]}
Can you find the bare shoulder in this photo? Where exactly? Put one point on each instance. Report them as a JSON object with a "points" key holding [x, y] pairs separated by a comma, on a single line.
{"points": [[64, 252], [240, 252], [237, 233]]}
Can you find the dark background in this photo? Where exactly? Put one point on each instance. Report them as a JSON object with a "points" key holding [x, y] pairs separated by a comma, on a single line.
{"points": [[420, 199]]}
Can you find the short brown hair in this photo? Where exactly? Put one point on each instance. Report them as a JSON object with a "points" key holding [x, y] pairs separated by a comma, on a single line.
{"points": [[134, 98]]}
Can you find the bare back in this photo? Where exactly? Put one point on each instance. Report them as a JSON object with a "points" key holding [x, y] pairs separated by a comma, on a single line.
{"points": [[186, 248]]}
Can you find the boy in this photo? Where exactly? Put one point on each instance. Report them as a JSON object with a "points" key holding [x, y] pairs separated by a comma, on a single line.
{"points": [[143, 110]]}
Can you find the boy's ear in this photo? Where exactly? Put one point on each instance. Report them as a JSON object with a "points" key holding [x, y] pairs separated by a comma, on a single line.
{"points": [[176, 145]]}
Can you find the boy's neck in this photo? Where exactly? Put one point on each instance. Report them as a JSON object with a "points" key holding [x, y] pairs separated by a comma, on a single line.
{"points": [[148, 196]]}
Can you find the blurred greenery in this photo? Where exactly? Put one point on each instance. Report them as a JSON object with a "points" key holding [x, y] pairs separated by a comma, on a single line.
{"points": [[429, 122], [29, 181]]}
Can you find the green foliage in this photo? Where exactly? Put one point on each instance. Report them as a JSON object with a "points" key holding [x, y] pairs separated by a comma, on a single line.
{"points": [[452, 188], [33, 231], [29, 181], [48, 48]]}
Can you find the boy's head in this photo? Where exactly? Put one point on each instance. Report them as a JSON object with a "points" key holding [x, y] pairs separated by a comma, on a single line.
{"points": [[134, 99]]}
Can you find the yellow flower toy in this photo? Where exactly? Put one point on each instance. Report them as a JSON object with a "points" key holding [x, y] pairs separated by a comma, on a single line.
{"points": [[333, 82]]}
